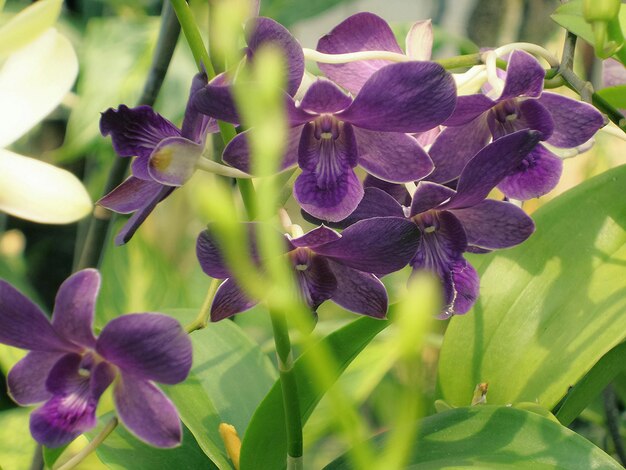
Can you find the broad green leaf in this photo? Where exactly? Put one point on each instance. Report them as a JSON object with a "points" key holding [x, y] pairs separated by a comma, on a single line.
{"points": [[122, 451], [33, 81], [16, 445], [592, 384], [549, 309], [229, 378], [570, 16], [28, 24], [616, 95], [265, 443], [287, 13], [497, 437]]}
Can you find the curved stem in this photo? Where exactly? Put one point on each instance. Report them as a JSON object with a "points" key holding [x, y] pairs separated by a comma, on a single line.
{"points": [[89, 448], [289, 387], [217, 168], [531, 48], [202, 320]]}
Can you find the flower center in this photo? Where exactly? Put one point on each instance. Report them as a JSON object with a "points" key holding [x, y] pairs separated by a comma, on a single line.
{"points": [[329, 165], [503, 118]]}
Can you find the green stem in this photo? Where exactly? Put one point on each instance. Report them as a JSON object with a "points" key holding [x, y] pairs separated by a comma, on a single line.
{"points": [[93, 246], [89, 448], [202, 319], [468, 60], [289, 387]]}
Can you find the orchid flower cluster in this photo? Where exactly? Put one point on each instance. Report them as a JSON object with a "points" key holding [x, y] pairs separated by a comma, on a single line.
{"points": [[432, 161]]}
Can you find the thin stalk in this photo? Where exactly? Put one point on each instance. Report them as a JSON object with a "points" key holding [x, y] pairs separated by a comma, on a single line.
{"points": [[100, 221], [289, 387], [89, 448], [202, 320]]}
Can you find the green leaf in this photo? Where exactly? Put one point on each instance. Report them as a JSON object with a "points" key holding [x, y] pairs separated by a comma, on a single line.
{"points": [[28, 24], [287, 12], [497, 437], [570, 16], [16, 445], [229, 378], [122, 451], [548, 309], [615, 95], [265, 442], [592, 384]]}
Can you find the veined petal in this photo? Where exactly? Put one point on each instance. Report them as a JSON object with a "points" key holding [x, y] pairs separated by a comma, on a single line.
{"points": [[360, 32], [136, 131], [490, 166], [575, 122], [392, 156], [26, 381], [524, 76], [456, 146], [75, 306], [315, 279], [379, 246], [323, 96], [317, 236], [463, 283], [24, 325], [375, 203], [147, 412], [131, 195], [229, 300], [468, 108], [359, 292], [263, 31], [419, 40], [397, 191], [495, 224], [195, 124], [216, 100], [150, 346], [37, 191], [429, 196], [33, 81], [403, 97], [537, 174], [174, 160]]}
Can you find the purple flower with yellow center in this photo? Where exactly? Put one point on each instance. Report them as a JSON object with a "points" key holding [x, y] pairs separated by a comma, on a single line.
{"points": [[563, 123], [68, 368], [453, 222], [331, 133], [342, 267], [156, 143]]}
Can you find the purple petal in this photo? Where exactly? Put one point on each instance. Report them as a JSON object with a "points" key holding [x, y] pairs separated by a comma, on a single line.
{"points": [[538, 174], [138, 218], [360, 32], [468, 108], [428, 138], [315, 237], [512, 115], [26, 381], [406, 162], [428, 196], [174, 160], [237, 152], [524, 76], [575, 122], [265, 31], [403, 97], [375, 203], [210, 256], [147, 412], [443, 241], [490, 166], [139, 167], [419, 40], [74, 307], [359, 292], [323, 96], [216, 101], [455, 146], [131, 195], [465, 285], [24, 325], [613, 73], [315, 279], [135, 131], [397, 191], [495, 224], [379, 246], [195, 124], [229, 300], [334, 201], [151, 346]]}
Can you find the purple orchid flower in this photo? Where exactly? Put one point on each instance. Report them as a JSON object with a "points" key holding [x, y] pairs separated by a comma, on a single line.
{"points": [[368, 32], [331, 134], [454, 222], [563, 122], [329, 266], [68, 368]]}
